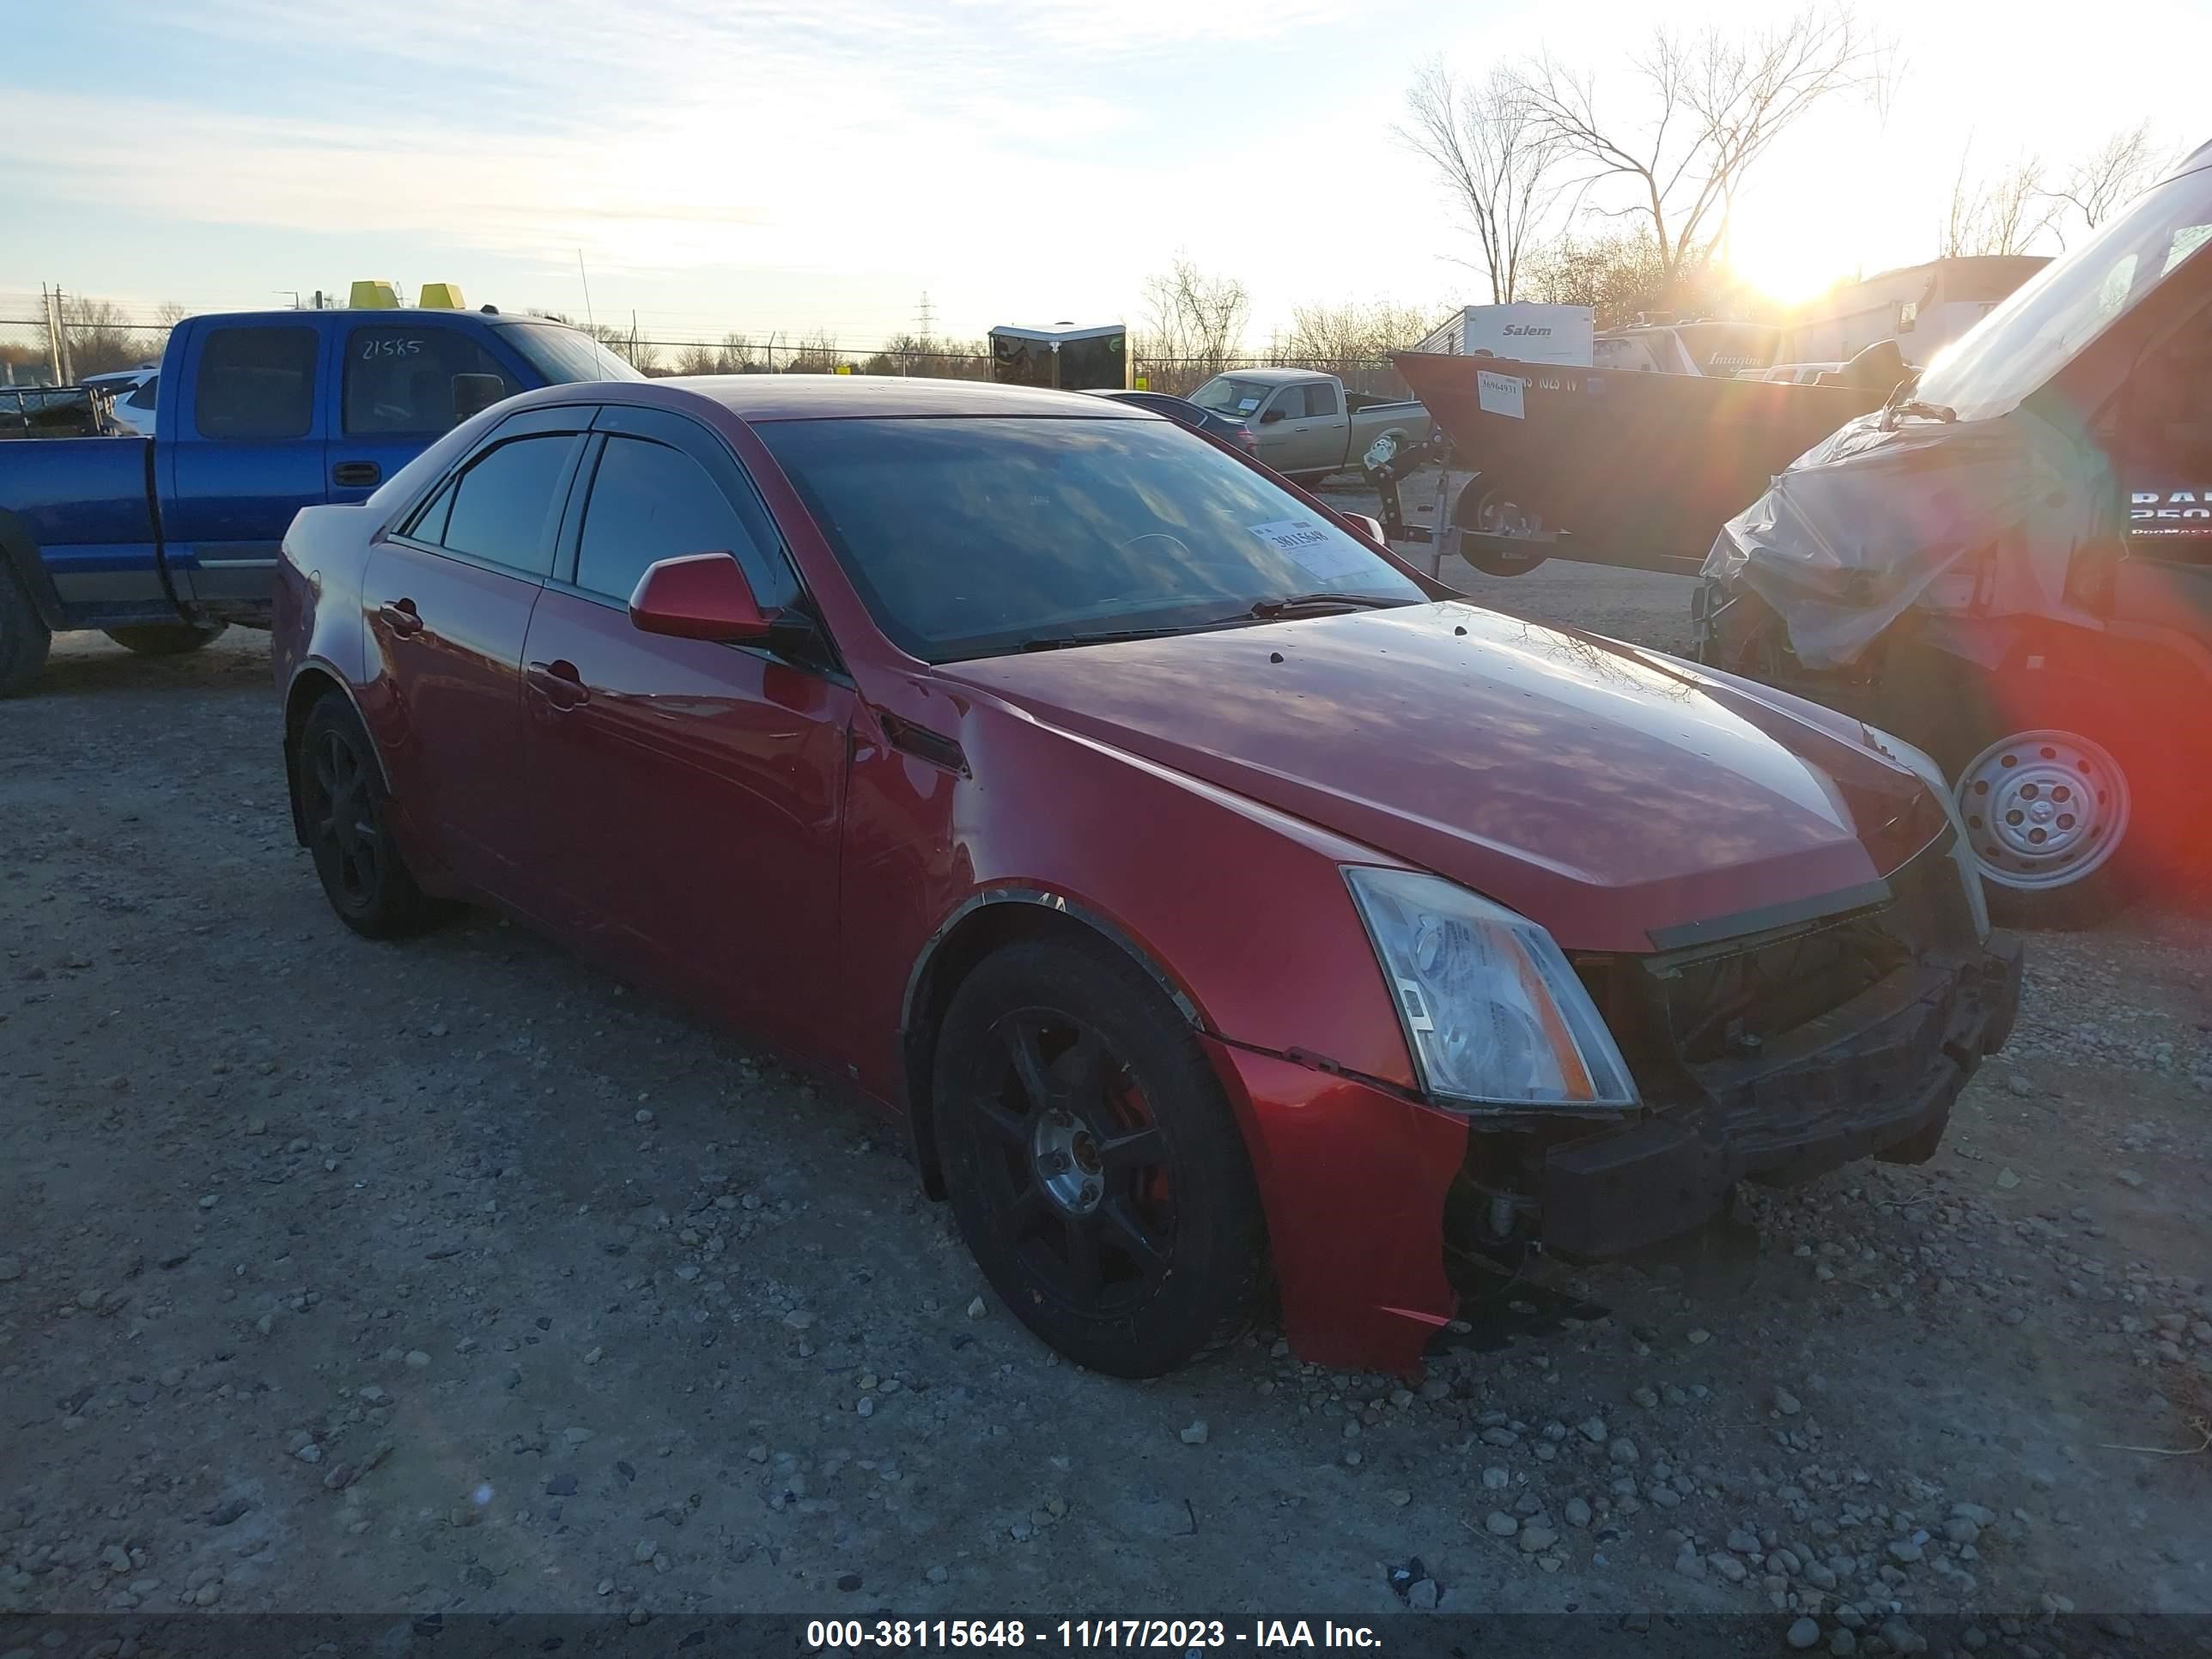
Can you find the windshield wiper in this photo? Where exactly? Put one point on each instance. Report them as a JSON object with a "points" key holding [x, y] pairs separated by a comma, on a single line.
{"points": [[1105, 636], [1270, 609]]}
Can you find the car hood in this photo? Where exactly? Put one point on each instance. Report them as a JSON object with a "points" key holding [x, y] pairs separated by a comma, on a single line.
{"points": [[1615, 796]]}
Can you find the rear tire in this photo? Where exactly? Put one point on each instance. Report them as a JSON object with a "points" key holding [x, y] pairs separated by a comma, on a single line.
{"points": [[346, 811], [1093, 1164], [24, 636], [176, 639]]}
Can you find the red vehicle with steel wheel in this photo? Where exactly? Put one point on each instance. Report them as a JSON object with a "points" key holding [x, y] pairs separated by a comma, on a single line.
{"points": [[1230, 913]]}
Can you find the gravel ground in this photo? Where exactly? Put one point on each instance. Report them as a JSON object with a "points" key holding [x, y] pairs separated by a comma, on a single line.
{"points": [[452, 1277]]}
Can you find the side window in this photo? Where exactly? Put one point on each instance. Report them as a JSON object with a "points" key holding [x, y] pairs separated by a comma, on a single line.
{"points": [[257, 383], [649, 502], [401, 379], [144, 396], [504, 506], [1289, 403], [1321, 398]]}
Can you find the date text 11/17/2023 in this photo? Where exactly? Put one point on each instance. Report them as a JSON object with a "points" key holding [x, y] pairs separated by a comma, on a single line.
{"points": [[1172, 1635]]}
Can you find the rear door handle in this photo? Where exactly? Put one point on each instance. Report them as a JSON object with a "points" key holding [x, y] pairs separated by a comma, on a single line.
{"points": [[353, 475], [558, 682], [400, 616]]}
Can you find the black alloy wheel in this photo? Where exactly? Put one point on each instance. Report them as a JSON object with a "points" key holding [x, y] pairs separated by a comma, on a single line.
{"points": [[341, 805], [1094, 1166]]}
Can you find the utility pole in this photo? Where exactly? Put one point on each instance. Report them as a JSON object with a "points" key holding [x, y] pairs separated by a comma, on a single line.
{"points": [[57, 342]]}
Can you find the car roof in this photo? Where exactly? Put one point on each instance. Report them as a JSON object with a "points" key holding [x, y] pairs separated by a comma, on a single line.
{"points": [[755, 397], [1274, 376]]}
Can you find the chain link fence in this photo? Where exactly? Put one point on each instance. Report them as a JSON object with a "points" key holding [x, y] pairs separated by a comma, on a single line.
{"points": [[27, 358]]}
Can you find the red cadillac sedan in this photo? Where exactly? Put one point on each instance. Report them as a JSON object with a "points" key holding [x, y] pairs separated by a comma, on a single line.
{"points": [[1237, 919]]}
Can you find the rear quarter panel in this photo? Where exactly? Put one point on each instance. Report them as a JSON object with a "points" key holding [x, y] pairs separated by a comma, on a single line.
{"points": [[316, 618]]}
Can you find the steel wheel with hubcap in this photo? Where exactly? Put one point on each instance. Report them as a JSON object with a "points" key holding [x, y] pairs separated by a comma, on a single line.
{"points": [[342, 808], [2047, 810], [1094, 1166]]}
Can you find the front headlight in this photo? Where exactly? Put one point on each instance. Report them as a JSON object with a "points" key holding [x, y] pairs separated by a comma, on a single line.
{"points": [[1962, 847], [1493, 1014]]}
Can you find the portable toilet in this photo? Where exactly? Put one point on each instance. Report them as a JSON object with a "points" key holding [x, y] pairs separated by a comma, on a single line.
{"points": [[1070, 358]]}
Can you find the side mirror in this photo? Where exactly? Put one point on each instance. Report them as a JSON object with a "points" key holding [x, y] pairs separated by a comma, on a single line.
{"points": [[475, 393], [1371, 528], [1270, 417], [703, 595]]}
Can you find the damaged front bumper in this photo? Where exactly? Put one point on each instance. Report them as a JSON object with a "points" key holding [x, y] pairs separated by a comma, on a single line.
{"points": [[1771, 1060], [1875, 1077]]}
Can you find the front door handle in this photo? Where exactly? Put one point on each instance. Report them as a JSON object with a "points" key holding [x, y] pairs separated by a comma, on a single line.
{"points": [[355, 475], [400, 616], [558, 682]]}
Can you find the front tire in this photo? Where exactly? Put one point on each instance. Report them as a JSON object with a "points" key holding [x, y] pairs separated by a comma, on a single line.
{"points": [[2050, 791], [1093, 1164], [347, 815], [176, 639]]}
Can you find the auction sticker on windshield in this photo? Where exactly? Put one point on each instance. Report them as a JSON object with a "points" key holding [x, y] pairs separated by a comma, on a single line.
{"points": [[1314, 550]]}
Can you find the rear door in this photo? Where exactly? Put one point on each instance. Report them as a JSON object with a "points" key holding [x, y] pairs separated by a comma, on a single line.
{"points": [[242, 455], [447, 601], [1326, 425], [1280, 428], [687, 793], [394, 394]]}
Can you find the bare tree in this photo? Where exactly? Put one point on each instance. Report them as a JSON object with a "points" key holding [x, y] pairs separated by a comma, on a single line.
{"points": [[2000, 212], [1494, 159], [101, 338], [814, 353], [1345, 339], [1714, 107], [169, 313], [1192, 317], [2109, 175]]}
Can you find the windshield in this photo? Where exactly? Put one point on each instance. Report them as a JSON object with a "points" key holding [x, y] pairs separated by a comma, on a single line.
{"points": [[2067, 304], [1225, 395], [969, 537], [565, 355]]}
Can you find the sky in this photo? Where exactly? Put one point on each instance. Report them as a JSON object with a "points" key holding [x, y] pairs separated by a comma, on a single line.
{"points": [[806, 165]]}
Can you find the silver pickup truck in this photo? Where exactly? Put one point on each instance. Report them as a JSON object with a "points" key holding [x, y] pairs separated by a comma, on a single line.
{"points": [[1305, 425]]}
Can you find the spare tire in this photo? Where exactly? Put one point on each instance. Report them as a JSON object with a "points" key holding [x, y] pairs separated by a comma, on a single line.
{"points": [[1489, 510]]}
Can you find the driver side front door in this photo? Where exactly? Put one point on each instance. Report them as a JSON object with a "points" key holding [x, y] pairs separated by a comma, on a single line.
{"points": [[687, 795]]}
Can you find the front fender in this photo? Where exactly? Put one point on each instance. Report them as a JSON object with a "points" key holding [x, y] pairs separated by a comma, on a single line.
{"points": [[1241, 910]]}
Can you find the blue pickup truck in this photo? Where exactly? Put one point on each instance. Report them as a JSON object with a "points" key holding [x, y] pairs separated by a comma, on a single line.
{"points": [[160, 542]]}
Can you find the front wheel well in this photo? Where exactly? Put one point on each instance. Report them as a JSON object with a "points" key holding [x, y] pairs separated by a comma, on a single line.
{"points": [[989, 925]]}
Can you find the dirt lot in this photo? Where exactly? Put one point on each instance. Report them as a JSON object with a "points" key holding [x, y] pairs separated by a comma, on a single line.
{"points": [[452, 1277]]}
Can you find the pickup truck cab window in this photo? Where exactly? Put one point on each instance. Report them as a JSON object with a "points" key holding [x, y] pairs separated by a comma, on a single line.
{"points": [[1289, 404], [257, 383], [1320, 398], [503, 508], [400, 380]]}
